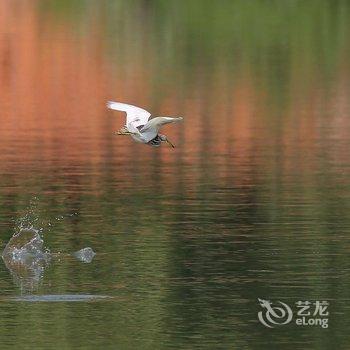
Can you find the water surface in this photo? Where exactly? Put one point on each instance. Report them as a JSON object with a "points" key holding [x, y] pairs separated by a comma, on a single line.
{"points": [[253, 203]]}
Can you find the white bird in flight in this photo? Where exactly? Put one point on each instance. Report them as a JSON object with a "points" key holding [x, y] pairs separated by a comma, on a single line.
{"points": [[139, 125]]}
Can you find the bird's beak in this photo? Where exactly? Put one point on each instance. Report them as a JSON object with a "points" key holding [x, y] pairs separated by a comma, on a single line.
{"points": [[170, 144]]}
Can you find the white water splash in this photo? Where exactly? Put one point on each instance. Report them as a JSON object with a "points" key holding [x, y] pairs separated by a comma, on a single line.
{"points": [[26, 258], [25, 255]]}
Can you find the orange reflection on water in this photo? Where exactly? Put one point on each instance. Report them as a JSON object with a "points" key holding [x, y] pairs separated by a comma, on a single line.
{"points": [[56, 81]]}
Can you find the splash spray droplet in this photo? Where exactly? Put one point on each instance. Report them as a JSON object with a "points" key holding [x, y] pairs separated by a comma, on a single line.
{"points": [[85, 255]]}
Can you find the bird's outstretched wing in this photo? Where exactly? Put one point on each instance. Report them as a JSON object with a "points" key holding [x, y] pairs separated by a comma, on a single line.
{"points": [[135, 115], [150, 130]]}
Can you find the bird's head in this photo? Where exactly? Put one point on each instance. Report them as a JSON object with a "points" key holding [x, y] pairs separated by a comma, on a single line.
{"points": [[163, 138]]}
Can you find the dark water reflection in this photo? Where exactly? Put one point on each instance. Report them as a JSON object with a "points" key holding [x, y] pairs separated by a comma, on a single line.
{"points": [[253, 203]]}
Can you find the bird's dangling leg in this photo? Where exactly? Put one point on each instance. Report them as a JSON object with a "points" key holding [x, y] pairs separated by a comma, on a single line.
{"points": [[124, 131]]}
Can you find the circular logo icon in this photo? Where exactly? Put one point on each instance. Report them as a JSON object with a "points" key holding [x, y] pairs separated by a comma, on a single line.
{"points": [[273, 315]]}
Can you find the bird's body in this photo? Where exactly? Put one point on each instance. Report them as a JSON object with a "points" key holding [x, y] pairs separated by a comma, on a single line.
{"points": [[139, 125]]}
